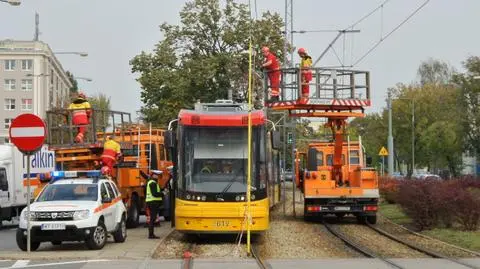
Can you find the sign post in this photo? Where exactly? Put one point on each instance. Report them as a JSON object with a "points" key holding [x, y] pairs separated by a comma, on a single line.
{"points": [[27, 132], [384, 152]]}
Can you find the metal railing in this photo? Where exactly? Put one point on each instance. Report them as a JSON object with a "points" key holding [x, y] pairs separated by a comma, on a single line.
{"points": [[326, 83]]}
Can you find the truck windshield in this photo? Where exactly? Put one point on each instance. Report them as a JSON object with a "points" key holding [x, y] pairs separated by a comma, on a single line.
{"points": [[215, 159], [69, 192]]}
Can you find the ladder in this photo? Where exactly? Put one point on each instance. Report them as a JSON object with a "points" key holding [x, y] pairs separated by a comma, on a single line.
{"points": [[144, 149]]}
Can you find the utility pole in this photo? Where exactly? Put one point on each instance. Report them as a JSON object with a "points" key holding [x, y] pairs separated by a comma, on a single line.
{"points": [[391, 169]]}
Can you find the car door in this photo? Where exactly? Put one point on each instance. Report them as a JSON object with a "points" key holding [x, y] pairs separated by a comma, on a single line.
{"points": [[4, 190], [111, 209], [106, 207]]}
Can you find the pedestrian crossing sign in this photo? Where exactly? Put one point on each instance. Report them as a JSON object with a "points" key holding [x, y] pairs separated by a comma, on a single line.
{"points": [[383, 152]]}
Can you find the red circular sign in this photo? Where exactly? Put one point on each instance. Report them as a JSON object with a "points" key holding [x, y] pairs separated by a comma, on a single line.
{"points": [[27, 132]]}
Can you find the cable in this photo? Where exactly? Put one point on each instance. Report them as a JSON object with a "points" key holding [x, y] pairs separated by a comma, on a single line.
{"points": [[368, 15], [391, 32]]}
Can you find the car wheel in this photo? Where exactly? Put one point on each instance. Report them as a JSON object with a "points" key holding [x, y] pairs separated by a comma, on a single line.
{"points": [[22, 242], [56, 243], [133, 213], [361, 219], [98, 237], [121, 233]]}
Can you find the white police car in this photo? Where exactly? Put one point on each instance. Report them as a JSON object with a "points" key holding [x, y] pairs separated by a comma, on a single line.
{"points": [[75, 206]]}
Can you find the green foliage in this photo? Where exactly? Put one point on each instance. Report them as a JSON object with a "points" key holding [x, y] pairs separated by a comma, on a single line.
{"points": [[204, 57], [469, 103], [101, 105], [74, 82]]}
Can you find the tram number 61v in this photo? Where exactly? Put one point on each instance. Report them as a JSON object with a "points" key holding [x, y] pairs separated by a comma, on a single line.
{"points": [[222, 223]]}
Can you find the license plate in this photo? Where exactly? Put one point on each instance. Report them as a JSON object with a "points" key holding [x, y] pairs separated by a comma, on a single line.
{"points": [[53, 226], [342, 208], [221, 223]]}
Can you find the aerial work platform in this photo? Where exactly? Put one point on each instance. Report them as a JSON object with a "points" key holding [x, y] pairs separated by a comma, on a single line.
{"points": [[333, 93]]}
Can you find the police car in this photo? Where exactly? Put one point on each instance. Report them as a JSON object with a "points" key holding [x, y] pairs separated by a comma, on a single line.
{"points": [[75, 206]]}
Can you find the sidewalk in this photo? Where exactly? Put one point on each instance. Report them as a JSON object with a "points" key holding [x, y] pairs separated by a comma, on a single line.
{"points": [[137, 246]]}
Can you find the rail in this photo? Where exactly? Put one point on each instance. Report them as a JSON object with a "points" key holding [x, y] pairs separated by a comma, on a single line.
{"points": [[357, 247], [326, 84], [261, 263], [417, 248], [62, 130]]}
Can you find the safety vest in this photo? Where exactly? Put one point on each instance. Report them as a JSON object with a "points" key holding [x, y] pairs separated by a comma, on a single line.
{"points": [[80, 112], [305, 64], [110, 149], [150, 197]]}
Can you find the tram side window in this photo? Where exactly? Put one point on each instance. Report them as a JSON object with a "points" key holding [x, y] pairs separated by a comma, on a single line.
{"points": [[354, 157], [330, 159], [3, 180], [319, 158]]}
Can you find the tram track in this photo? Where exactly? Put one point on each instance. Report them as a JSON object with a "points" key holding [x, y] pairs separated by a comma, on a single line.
{"points": [[357, 247], [418, 248]]}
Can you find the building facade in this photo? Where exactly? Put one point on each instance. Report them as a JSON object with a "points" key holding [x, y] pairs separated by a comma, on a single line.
{"points": [[32, 80]]}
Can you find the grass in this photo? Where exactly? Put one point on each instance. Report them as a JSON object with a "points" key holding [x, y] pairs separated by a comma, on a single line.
{"points": [[466, 239]]}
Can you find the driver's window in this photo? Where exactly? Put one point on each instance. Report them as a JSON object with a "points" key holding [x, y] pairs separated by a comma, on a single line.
{"points": [[103, 191]]}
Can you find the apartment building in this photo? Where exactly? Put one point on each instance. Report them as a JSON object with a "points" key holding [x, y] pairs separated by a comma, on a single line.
{"points": [[32, 80]]}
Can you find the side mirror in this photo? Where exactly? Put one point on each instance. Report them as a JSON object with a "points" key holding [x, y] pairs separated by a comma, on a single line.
{"points": [[369, 161], [106, 200], [169, 139], [276, 144]]}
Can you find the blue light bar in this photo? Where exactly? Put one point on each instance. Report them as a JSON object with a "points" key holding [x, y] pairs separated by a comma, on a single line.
{"points": [[57, 175]]}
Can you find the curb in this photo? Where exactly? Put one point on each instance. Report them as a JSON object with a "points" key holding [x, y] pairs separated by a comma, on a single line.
{"points": [[167, 234]]}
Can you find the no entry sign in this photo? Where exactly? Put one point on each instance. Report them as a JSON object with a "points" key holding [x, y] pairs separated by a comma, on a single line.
{"points": [[27, 132]]}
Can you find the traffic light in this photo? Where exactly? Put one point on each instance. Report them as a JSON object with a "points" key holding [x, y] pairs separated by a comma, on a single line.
{"points": [[289, 138]]}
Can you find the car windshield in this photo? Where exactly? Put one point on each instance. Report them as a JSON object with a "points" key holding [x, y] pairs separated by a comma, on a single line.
{"points": [[216, 160], [69, 192]]}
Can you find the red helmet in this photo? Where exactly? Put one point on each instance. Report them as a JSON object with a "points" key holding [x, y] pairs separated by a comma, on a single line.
{"points": [[265, 49], [302, 50]]}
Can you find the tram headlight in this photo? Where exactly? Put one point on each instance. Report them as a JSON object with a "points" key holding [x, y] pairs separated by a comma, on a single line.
{"points": [[252, 197], [188, 197], [204, 198], [237, 198]]}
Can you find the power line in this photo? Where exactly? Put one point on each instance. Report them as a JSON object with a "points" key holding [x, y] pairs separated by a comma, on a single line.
{"points": [[368, 15], [391, 32]]}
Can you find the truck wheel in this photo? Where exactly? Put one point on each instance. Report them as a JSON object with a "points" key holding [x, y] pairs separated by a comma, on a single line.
{"points": [[372, 219], [121, 233], [22, 242], [133, 213], [98, 238]]}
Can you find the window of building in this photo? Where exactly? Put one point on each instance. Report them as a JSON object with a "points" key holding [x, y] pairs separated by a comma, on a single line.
{"points": [[27, 65], [7, 140], [9, 65], [9, 104], [9, 85], [27, 85], [7, 123], [26, 104]]}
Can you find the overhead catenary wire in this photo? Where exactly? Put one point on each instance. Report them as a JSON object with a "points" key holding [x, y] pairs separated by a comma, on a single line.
{"points": [[391, 32]]}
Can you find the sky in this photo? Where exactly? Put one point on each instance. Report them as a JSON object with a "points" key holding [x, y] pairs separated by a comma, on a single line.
{"points": [[113, 32]]}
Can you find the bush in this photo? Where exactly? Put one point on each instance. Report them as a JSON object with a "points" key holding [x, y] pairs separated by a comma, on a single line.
{"points": [[430, 203], [418, 201], [389, 189]]}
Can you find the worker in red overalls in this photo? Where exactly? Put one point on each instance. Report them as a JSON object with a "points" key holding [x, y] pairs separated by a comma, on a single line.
{"points": [[305, 65], [81, 112], [272, 66], [111, 152]]}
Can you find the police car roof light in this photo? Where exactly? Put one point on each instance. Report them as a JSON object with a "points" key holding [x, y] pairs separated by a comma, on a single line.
{"points": [[57, 175]]}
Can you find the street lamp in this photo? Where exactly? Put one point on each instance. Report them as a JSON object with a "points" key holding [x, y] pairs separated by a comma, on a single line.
{"points": [[12, 2], [84, 78], [81, 54]]}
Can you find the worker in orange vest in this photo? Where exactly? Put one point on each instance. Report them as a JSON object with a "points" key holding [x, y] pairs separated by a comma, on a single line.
{"points": [[272, 66], [111, 152], [305, 65], [81, 112]]}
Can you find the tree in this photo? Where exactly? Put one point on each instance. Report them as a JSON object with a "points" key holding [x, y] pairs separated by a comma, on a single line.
{"points": [[101, 106], [434, 71], [74, 82], [469, 102], [204, 57]]}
